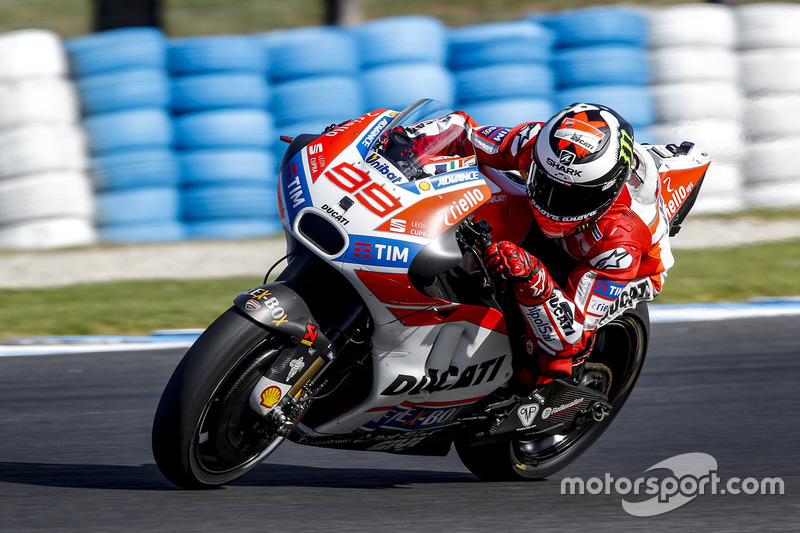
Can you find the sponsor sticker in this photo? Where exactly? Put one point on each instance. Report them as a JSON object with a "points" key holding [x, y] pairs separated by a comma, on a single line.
{"points": [[583, 135], [527, 413], [608, 289], [618, 258]]}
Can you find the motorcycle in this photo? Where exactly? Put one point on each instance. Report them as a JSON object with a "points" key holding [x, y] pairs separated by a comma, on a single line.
{"points": [[385, 332]]}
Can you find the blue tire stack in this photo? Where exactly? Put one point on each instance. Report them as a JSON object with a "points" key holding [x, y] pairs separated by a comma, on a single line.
{"points": [[502, 71], [601, 57], [124, 91], [223, 132], [402, 60], [313, 73]]}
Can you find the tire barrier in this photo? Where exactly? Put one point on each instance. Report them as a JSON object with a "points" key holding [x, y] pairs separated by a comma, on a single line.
{"points": [[219, 91], [502, 71], [410, 39], [46, 199], [499, 43], [769, 46], [125, 92], [223, 132], [307, 52], [402, 60], [420, 80], [218, 53], [122, 49], [126, 89], [178, 137], [601, 57], [695, 87]]}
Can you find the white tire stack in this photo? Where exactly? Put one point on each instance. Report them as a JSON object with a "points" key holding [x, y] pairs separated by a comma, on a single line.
{"points": [[46, 198], [695, 90], [770, 77]]}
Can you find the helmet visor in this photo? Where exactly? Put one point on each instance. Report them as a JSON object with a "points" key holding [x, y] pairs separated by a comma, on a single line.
{"points": [[569, 202]]}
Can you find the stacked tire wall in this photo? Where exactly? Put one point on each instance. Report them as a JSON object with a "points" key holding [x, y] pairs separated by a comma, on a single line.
{"points": [[601, 56], [223, 134], [125, 89], [503, 71], [695, 86], [769, 60], [46, 199], [180, 137]]}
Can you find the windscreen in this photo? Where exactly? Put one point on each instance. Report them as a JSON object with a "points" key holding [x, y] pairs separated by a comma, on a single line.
{"points": [[426, 139]]}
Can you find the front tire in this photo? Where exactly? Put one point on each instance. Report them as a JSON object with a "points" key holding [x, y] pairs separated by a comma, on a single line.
{"points": [[205, 434], [623, 351]]}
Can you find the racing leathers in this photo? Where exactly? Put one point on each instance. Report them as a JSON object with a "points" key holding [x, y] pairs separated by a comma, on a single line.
{"points": [[620, 257]]}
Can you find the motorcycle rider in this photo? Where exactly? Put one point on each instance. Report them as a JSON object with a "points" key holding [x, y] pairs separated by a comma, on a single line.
{"points": [[595, 192]]}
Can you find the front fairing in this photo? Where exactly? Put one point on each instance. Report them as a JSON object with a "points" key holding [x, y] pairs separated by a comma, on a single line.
{"points": [[377, 214]]}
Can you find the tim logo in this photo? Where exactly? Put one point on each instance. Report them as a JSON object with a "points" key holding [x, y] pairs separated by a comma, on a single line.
{"points": [[566, 158], [379, 253], [362, 249]]}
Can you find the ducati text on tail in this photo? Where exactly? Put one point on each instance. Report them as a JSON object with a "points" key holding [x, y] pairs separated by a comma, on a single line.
{"points": [[384, 332]]}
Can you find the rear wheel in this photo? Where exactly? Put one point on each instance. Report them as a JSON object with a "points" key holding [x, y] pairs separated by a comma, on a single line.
{"points": [[205, 434], [613, 368]]}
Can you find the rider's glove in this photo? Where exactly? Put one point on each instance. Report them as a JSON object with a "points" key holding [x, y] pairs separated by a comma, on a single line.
{"points": [[532, 283]]}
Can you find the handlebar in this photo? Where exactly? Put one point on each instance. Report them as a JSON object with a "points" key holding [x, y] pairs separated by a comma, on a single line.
{"points": [[476, 237]]}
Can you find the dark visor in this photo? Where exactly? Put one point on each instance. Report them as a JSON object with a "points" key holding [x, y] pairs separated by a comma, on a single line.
{"points": [[567, 202]]}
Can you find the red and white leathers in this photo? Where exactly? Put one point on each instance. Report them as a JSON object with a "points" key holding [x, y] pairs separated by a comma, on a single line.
{"points": [[621, 256]]}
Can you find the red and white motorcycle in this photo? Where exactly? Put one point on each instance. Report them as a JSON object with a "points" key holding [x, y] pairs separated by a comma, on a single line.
{"points": [[385, 332]]}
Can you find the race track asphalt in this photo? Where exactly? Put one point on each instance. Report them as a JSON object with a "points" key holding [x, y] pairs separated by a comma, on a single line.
{"points": [[75, 452]]}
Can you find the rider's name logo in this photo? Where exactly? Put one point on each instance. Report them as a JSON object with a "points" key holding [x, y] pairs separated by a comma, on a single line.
{"points": [[527, 413], [449, 379]]}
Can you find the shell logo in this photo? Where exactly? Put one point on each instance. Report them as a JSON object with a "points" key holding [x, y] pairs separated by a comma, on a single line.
{"points": [[270, 396], [424, 186]]}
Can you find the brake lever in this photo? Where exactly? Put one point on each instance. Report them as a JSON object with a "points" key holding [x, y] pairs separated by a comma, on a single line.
{"points": [[477, 237]]}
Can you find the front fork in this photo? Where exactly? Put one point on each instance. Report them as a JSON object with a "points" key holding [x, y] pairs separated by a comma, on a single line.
{"points": [[284, 393]]}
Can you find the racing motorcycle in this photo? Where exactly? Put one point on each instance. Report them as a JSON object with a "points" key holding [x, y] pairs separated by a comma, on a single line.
{"points": [[385, 332]]}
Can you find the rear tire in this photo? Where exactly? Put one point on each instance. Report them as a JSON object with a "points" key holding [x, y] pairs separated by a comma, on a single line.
{"points": [[205, 434], [623, 351]]}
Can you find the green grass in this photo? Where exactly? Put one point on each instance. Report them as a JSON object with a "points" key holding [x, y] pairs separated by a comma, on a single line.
{"points": [[137, 307], [734, 274], [129, 307], [71, 18]]}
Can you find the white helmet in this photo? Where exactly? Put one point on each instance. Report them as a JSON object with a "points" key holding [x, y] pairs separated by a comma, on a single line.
{"points": [[581, 161]]}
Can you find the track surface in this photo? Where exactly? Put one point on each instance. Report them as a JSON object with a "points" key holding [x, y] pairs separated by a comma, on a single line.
{"points": [[75, 452]]}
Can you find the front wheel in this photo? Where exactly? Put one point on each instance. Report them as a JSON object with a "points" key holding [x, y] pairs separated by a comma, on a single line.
{"points": [[205, 434], [616, 363]]}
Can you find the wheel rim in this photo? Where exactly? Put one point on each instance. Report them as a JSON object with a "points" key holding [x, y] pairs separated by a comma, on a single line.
{"points": [[529, 458], [230, 438]]}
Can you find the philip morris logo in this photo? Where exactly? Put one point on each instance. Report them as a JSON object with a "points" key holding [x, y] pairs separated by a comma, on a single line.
{"points": [[693, 475]]}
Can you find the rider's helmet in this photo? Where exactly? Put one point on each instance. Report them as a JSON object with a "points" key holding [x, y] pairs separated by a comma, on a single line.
{"points": [[581, 160]]}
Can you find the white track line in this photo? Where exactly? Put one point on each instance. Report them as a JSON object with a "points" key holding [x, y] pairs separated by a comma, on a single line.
{"points": [[659, 314]]}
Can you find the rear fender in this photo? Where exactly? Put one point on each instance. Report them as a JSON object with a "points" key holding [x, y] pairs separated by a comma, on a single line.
{"points": [[279, 308]]}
